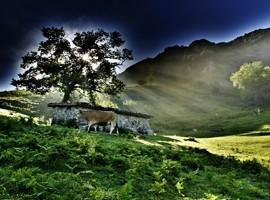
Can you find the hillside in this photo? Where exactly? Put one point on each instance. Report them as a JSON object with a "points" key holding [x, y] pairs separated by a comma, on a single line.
{"points": [[28, 103], [225, 120], [186, 87], [201, 62], [20, 101], [41, 162]]}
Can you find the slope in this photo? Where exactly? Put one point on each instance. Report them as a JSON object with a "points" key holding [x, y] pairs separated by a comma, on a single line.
{"points": [[188, 87], [40, 162]]}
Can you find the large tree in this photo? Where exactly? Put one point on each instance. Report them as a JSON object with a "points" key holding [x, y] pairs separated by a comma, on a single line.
{"points": [[253, 79], [88, 61]]}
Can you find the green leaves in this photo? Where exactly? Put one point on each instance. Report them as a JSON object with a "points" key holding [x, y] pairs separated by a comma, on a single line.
{"points": [[253, 79], [53, 33], [88, 62]]}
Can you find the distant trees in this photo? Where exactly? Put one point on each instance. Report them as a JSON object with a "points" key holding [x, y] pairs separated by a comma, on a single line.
{"points": [[253, 79], [88, 62]]}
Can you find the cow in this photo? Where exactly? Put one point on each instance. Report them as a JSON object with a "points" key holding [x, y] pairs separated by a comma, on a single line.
{"points": [[93, 117]]}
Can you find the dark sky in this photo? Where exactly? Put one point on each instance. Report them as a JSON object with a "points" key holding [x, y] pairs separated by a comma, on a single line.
{"points": [[147, 25]]}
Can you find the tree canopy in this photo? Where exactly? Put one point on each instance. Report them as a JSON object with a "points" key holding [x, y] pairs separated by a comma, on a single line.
{"points": [[253, 79], [88, 61]]}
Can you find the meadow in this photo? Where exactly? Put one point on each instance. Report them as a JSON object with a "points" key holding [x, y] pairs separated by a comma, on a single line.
{"points": [[55, 162], [39, 161]]}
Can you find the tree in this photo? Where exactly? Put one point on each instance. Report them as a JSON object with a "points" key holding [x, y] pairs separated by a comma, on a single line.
{"points": [[87, 62], [253, 79]]}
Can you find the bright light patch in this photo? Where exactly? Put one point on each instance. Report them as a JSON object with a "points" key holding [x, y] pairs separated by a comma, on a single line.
{"points": [[86, 57]]}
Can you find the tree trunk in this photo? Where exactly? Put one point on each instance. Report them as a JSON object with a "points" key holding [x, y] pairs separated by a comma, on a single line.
{"points": [[92, 98], [67, 95]]}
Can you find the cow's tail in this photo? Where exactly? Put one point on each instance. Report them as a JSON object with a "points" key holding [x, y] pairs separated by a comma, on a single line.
{"points": [[116, 127]]}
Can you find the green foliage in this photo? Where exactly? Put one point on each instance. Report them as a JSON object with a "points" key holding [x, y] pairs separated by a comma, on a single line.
{"points": [[40, 162], [88, 62], [254, 80]]}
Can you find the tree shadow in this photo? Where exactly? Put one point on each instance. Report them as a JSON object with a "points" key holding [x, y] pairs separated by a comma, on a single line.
{"points": [[259, 133]]}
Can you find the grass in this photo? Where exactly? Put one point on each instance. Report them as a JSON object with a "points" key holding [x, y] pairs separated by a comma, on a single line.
{"points": [[249, 146], [242, 147], [20, 101], [183, 109], [176, 114], [42, 162]]}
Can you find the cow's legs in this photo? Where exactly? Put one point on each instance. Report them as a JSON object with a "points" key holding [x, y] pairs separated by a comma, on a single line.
{"points": [[112, 127], [89, 125], [95, 127]]}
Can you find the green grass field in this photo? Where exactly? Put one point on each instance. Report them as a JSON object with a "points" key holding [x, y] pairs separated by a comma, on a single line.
{"points": [[178, 111], [43, 162], [248, 146], [54, 162]]}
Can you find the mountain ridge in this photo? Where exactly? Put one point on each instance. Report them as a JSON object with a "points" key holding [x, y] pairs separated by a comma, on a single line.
{"points": [[184, 85], [200, 47]]}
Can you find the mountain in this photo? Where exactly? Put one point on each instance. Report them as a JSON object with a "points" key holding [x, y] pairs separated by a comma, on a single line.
{"points": [[186, 87]]}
